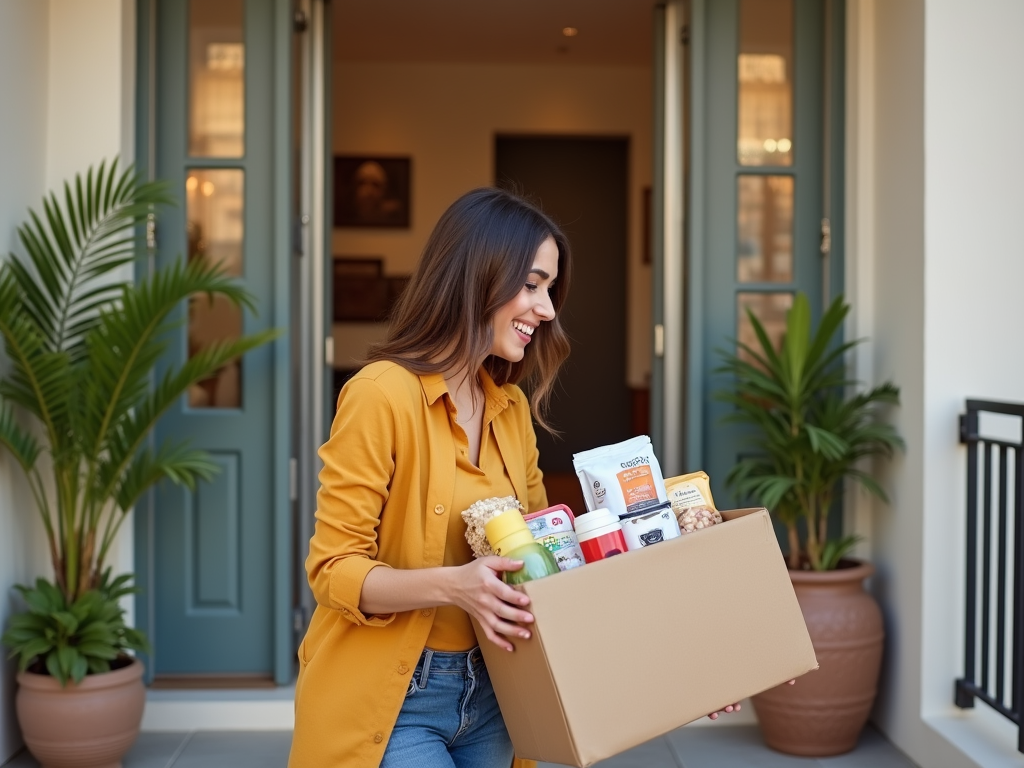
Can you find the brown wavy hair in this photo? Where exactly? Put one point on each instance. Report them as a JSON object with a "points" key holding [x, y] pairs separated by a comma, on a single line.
{"points": [[477, 260]]}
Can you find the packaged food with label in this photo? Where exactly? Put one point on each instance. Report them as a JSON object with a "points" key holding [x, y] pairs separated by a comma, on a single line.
{"points": [[600, 535], [651, 526], [690, 496], [624, 478], [510, 537], [553, 527]]}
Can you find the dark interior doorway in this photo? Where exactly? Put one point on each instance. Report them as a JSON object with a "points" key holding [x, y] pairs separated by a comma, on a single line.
{"points": [[582, 183]]}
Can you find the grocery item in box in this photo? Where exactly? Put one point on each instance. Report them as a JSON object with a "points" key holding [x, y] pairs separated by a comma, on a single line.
{"points": [[690, 490], [510, 537], [600, 535], [476, 518], [642, 529], [553, 527], [624, 477]]}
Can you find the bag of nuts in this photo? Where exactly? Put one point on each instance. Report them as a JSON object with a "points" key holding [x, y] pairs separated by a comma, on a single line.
{"points": [[692, 502]]}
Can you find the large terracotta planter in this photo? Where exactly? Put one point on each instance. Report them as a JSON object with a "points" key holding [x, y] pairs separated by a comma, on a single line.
{"points": [[89, 725], [824, 713]]}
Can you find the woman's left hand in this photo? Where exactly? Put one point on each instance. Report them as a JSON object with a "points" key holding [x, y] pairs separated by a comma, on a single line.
{"points": [[736, 707], [730, 708]]}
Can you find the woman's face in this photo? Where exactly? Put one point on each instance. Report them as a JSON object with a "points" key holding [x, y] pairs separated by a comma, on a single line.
{"points": [[514, 323]]}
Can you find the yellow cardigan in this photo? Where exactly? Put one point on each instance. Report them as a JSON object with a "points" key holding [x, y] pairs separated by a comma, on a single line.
{"points": [[385, 496]]}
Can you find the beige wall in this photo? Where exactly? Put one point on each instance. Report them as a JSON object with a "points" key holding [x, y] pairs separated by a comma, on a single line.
{"points": [[446, 116], [66, 93], [933, 273]]}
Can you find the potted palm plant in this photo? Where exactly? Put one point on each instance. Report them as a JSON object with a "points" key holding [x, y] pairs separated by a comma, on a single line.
{"points": [[810, 428], [82, 343]]}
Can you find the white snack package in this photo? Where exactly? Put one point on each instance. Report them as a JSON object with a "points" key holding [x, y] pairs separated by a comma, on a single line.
{"points": [[624, 478]]}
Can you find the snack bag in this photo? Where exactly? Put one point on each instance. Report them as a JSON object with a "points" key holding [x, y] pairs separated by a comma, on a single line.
{"points": [[691, 500], [624, 478], [691, 490]]}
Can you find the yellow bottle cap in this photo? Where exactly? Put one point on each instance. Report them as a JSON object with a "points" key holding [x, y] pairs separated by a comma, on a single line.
{"points": [[507, 531]]}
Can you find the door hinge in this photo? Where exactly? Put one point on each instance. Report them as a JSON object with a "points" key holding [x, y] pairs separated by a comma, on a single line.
{"points": [[293, 479], [826, 237], [151, 231], [300, 21], [684, 35], [659, 340], [329, 351], [298, 618]]}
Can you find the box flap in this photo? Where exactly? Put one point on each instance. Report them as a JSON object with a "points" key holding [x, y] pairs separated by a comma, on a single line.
{"points": [[644, 642]]}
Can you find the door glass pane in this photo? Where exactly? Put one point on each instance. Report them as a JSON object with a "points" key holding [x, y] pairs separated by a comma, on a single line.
{"points": [[216, 98], [770, 309], [765, 87], [764, 228], [214, 212]]}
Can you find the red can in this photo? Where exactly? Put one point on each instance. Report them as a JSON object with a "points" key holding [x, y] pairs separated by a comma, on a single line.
{"points": [[600, 535]]}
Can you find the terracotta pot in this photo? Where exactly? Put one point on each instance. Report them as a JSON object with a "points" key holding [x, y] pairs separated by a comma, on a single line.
{"points": [[89, 725], [824, 713]]}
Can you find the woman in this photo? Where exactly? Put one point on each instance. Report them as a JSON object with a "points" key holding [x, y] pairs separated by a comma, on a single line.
{"points": [[390, 672]]}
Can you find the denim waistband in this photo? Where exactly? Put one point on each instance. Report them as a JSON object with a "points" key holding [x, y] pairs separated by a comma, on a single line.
{"points": [[451, 661]]}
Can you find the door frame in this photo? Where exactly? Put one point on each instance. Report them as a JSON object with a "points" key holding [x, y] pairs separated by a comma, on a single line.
{"points": [[695, 245], [280, 317]]}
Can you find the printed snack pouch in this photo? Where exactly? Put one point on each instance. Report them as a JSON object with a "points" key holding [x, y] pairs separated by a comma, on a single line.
{"points": [[553, 527], [624, 478], [691, 490]]}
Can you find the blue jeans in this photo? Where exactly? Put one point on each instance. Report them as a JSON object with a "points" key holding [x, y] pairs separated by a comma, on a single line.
{"points": [[450, 717]]}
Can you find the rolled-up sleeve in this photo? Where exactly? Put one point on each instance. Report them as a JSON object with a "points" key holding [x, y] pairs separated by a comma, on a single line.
{"points": [[359, 461]]}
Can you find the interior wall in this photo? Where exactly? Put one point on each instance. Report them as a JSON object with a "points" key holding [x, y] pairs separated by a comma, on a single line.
{"points": [[445, 117], [66, 92], [932, 275]]}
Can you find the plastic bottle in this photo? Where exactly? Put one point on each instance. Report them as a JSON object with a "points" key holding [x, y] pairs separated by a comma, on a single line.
{"points": [[510, 537], [600, 535]]}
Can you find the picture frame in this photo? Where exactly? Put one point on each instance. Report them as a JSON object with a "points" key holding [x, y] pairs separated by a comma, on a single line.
{"points": [[360, 289], [372, 191]]}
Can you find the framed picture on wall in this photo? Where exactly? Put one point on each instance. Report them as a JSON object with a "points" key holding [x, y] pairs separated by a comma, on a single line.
{"points": [[372, 191], [360, 289]]}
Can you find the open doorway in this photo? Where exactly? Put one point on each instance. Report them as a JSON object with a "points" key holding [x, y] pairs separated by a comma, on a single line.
{"points": [[423, 97]]}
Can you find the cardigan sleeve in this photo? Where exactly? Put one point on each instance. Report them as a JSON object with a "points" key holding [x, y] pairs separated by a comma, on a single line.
{"points": [[359, 461]]}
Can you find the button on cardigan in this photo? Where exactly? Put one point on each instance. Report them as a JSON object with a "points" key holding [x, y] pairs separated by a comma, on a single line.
{"points": [[385, 497]]}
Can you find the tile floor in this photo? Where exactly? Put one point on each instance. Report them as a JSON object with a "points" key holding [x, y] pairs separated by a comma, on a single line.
{"points": [[738, 746]]}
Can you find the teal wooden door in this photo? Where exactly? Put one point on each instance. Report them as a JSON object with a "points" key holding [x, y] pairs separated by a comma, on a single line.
{"points": [[766, 127], [217, 565]]}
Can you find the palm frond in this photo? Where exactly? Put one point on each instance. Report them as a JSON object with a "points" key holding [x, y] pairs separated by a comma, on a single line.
{"points": [[21, 444]]}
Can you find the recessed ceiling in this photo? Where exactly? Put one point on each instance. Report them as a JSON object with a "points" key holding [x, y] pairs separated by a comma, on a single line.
{"points": [[610, 32]]}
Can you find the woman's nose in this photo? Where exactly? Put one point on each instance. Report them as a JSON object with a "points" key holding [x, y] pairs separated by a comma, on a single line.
{"points": [[545, 308]]}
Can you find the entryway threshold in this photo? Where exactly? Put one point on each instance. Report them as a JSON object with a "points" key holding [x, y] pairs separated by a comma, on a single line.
{"points": [[220, 709]]}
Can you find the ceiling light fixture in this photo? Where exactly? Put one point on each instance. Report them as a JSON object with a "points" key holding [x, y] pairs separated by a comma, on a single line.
{"points": [[570, 31]]}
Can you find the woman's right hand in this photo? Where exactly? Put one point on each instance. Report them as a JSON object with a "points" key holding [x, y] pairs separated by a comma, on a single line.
{"points": [[477, 588]]}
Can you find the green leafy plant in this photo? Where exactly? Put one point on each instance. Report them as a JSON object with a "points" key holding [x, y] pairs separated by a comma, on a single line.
{"points": [[72, 639], [808, 428], [83, 344]]}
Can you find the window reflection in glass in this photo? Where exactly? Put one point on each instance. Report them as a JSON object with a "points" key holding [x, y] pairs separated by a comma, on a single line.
{"points": [[216, 78], [770, 309], [765, 75], [764, 227], [214, 208]]}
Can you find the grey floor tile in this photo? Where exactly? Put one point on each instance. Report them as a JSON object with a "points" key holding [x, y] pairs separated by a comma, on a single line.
{"points": [[653, 754], [154, 750], [729, 746], [872, 750], [235, 749]]}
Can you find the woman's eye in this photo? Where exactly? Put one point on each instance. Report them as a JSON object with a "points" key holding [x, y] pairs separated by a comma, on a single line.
{"points": [[531, 287]]}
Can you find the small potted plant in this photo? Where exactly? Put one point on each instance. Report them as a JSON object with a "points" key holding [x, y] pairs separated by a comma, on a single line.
{"points": [[810, 428], [82, 344]]}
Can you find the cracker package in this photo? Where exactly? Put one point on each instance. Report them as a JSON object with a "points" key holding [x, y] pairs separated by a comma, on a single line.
{"points": [[624, 478], [690, 496]]}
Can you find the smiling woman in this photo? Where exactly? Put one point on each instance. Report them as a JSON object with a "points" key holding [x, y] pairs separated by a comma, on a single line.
{"points": [[433, 423]]}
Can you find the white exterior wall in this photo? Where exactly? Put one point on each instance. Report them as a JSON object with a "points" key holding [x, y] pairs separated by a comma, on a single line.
{"points": [[67, 92], [934, 271]]}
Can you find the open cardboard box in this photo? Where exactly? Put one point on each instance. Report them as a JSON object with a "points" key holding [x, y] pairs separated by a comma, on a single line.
{"points": [[629, 648]]}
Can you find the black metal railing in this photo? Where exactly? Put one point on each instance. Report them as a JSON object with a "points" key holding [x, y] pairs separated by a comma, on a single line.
{"points": [[994, 641]]}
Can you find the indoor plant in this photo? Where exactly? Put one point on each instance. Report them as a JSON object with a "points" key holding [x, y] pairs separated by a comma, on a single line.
{"points": [[809, 429], [83, 341]]}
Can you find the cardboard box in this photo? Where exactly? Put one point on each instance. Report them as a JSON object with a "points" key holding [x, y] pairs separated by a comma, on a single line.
{"points": [[629, 648]]}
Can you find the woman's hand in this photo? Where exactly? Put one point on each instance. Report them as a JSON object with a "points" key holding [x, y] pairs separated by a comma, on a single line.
{"points": [[737, 707], [730, 708], [477, 589]]}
